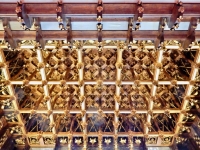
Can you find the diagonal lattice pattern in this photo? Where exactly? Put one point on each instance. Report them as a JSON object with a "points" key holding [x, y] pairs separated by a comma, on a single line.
{"points": [[86, 97]]}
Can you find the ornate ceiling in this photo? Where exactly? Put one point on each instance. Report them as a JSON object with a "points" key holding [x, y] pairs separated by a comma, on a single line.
{"points": [[97, 93], [89, 96]]}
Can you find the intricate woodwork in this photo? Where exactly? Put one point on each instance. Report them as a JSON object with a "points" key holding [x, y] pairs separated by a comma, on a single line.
{"points": [[88, 89], [46, 113]]}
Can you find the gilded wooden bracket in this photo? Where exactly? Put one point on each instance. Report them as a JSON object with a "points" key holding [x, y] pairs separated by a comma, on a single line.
{"points": [[138, 16], [99, 10], [177, 16], [22, 16]]}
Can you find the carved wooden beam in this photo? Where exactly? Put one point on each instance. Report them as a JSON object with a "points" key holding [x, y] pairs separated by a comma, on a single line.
{"points": [[114, 35], [191, 33], [177, 16]]}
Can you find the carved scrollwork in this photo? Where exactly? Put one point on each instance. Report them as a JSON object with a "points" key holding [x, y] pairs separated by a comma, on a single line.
{"points": [[166, 140], [49, 140], [34, 140], [151, 140]]}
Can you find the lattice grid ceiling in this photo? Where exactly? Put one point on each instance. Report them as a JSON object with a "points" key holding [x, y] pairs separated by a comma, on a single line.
{"points": [[85, 96]]}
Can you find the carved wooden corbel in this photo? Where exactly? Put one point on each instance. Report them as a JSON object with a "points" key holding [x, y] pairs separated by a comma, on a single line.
{"points": [[99, 10], [177, 16], [22, 16], [138, 16], [60, 18]]}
